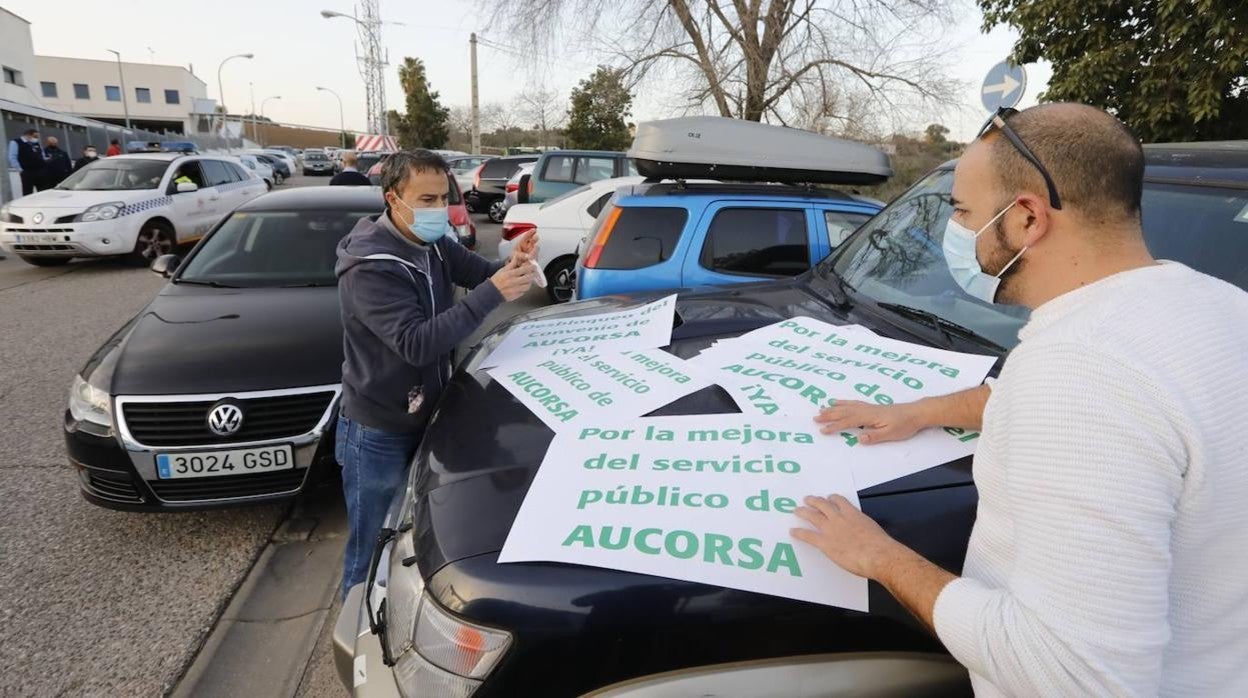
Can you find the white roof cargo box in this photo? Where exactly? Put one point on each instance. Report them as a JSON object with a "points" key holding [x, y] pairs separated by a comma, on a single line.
{"points": [[715, 147]]}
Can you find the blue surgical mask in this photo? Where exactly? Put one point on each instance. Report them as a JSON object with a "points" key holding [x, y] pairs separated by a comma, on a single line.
{"points": [[428, 224], [959, 246]]}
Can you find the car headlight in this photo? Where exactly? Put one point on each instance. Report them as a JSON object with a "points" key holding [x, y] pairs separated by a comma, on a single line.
{"points": [[88, 403], [6, 217], [102, 212], [435, 653]]}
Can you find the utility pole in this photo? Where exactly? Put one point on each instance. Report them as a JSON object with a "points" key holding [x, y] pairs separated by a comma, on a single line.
{"points": [[476, 104], [251, 88], [125, 103]]}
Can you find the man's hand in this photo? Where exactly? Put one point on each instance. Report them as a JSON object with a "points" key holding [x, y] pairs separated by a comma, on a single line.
{"points": [[514, 278], [527, 246], [847, 536], [880, 423]]}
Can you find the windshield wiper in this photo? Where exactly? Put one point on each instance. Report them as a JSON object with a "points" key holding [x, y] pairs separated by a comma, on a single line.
{"points": [[196, 282], [948, 328], [309, 284]]}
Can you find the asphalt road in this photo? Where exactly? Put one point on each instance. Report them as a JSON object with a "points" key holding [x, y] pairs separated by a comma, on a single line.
{"points": [[92, 601]]}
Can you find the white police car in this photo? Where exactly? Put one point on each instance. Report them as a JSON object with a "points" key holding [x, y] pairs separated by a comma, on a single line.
{"points": [[140, 206]]}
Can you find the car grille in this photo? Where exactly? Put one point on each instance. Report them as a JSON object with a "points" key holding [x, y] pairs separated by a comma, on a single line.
{"points": [[115, 488], [186, 423], [43, 248], [228, 486]]}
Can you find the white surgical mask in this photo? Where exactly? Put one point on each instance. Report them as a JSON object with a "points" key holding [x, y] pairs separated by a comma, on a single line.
{"points": [[959, 247]]}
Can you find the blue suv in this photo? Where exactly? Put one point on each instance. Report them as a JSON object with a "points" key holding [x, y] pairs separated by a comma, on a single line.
{"points": [[655, 236]]}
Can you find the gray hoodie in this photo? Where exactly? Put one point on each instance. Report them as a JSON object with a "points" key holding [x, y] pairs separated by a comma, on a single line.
{"points": [[400, 320]]}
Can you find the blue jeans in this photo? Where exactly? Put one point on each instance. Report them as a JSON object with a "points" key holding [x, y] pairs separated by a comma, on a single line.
{"points": [[374, 467]]}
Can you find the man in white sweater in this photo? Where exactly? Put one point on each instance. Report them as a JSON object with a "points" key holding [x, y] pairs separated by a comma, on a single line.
{"points": [[1110, 548]]}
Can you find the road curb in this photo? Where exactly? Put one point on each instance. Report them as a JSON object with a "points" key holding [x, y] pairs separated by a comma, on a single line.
{"points": [[265, 639]]}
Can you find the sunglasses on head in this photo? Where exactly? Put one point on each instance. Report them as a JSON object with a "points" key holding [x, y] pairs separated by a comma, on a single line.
{"points": [[998, 121]]}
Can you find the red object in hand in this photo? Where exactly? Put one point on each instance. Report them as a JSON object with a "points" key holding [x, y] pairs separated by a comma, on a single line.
{"points": [[511, 231]]}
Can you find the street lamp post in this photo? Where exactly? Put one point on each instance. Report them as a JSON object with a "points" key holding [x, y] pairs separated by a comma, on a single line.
{"points": [[342, 134], [125, 104], [264, 102], [221, 93]]}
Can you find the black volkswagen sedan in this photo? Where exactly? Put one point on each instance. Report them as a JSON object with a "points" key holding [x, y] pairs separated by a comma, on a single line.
{"points": [[224, 389], [456, 622]]}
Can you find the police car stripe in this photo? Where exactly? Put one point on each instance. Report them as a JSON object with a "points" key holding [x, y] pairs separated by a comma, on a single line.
{"points": [[146, 204]]}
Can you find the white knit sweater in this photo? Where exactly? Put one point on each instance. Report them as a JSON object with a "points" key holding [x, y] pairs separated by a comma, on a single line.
{"points": [[1110, 549]]}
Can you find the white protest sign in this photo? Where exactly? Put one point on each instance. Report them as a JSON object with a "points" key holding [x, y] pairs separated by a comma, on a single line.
{"points": [[796, 367], [705, 498], [565, 392], [644, 327]]}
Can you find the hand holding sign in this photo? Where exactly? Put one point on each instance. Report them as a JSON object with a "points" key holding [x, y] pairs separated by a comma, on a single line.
{"points": [[879, 423], [848, 537]]}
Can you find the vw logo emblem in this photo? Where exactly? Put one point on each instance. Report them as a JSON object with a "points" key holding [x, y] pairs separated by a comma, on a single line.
{"points": [[225, 419], [38, 217]]}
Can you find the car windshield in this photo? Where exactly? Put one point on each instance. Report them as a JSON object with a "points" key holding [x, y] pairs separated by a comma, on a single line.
{"points": [[271, 248], [114, 174], [314, 156], [897, 258], [567, 195]]}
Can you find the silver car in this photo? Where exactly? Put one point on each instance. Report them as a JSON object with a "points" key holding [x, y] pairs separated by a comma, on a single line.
{"points": [[512, 197]]}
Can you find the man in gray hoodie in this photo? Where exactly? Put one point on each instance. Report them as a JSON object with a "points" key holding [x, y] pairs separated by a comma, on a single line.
{"points": [[396, 277]]}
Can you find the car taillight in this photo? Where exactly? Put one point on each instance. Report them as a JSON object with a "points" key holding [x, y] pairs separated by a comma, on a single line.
{"points": [[600, 240], [530, 186], [511, 231], [511, 186]]}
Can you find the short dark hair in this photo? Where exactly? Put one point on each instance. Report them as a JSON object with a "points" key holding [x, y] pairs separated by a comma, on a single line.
{"points": [[1094, 159], [29, 131], [398, 167]]}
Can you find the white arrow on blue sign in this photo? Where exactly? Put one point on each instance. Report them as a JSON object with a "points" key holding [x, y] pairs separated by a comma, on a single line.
{"points": [[1003, 86]]}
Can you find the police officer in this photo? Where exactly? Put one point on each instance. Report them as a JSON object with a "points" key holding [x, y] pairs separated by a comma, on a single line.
{"points": [[57, 164], [26, 156]]}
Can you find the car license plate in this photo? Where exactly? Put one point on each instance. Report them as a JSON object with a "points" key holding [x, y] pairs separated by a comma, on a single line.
{"points": [[37, 238], [238, 461]]}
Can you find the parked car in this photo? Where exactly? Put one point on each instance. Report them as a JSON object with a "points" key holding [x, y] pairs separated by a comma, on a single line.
{"points": [[465, 229], [316, 162], [367, 159], [686, 235], [129, 205], [224, 389], [489, 185], [458, 622], [464, 167], [558, 171], [511, 191], [261, 168], [562, 223], [292, 164], [281, 168]]}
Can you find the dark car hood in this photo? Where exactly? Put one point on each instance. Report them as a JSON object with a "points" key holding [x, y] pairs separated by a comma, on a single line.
{"points": [[482, 447], [193, 339]]}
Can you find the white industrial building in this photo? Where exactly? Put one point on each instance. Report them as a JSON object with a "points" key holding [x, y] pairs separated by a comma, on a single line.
{"points": [[157, 97]]}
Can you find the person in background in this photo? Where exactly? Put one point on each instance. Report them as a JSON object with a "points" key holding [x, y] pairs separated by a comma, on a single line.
{"points": [[1107, 554], [397, 273], [350, 175], [114, 148], [26, 157], [58, 164], [88, 156]]}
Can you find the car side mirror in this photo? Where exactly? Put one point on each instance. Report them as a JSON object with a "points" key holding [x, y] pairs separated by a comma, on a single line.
{"points": [[166, 264], [648, 248], [187, 187], [522, 194]]}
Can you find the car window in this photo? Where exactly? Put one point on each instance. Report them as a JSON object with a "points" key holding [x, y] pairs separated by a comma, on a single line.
{"points": [[238, 172], [559, 168], [593, 169], [642, 236], [115, 174], [190, 170], [841, 225], [454, 194], [499, 169], [631, 170], [272, 248], [596, 206], [757, 242], [1204, 227], [314, 156], [216, 173]]}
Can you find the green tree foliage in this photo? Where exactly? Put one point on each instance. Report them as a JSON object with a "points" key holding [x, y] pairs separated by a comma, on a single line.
{"points": [[425, 123], [599, 105], [935, 134], [1172, 70]]}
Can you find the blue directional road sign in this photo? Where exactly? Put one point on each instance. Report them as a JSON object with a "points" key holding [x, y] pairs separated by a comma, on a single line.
{"points": [[1003, 86]]}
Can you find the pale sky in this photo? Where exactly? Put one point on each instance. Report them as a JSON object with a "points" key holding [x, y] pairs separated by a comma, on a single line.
{"points": [[296, 50]]}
